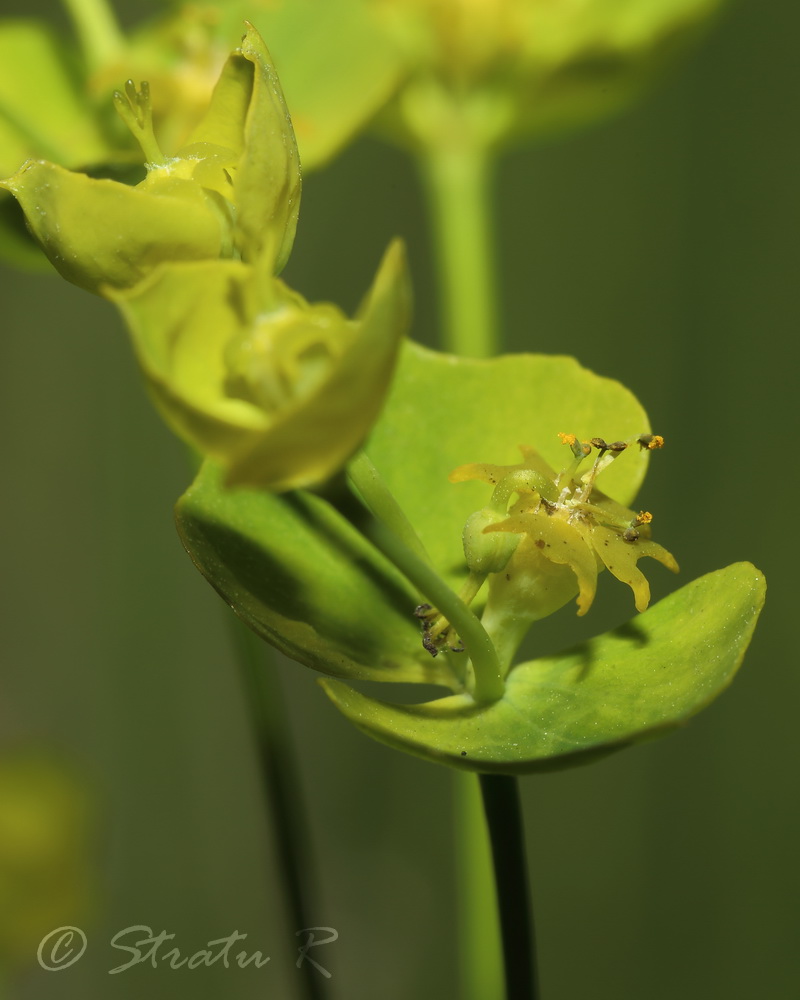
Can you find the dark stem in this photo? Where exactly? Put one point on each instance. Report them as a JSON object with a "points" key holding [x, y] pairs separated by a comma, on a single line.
{"points": [[281, 789], [504, 819]]}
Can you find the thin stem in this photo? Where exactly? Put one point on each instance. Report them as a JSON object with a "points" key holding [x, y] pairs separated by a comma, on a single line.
{"points": [[457, 173], [457, 168], [382, 504], [99, 33], [504, 818], [280, 784], [481, 961], [489, 684], [401, 546]]}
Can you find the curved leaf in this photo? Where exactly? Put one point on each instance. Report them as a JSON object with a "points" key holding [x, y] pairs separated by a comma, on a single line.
{"points": [[305, 580], [628, 685]]}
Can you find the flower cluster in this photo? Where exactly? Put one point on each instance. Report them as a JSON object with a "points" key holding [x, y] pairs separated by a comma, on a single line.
{"points": [[566, 529], [245, 370]]}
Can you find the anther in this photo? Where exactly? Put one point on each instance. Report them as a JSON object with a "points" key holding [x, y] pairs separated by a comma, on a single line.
{"points": [[650, 441]]}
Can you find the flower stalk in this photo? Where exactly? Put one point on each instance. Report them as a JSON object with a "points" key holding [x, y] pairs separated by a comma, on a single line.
{"points": [[457, 175], [404, 554]]}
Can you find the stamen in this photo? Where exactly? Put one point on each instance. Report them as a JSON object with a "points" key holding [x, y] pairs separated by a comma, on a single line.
{"points": [[580, 449], [606, 455], [650, 441], [631, 534]]}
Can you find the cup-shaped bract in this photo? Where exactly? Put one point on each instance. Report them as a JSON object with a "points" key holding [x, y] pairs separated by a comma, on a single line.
{"points": [[281, 391], [232, 191], [246, 152]]}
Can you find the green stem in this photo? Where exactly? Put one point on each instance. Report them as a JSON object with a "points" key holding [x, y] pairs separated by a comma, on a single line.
{"points": [[280, 784], [481, 959], [457, 172], [457, 168], [504, 818], [403, 553], [381, 503], [98, 31]]}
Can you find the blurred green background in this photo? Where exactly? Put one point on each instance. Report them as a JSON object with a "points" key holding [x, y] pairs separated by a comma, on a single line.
{"points": [[658, 249]]}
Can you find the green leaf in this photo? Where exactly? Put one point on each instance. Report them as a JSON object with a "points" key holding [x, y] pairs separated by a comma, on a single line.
{"points": [[631, 684], [446, 411], [336, 65], [304, 579], [44, 111], [100, 233]]}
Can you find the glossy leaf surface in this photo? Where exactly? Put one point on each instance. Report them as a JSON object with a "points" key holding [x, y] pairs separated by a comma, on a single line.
{"points": [[305, 580]]}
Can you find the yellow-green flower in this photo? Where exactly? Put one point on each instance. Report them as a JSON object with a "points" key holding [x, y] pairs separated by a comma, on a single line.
{"points": [[566, 531], [233, 190], [281, 391]]}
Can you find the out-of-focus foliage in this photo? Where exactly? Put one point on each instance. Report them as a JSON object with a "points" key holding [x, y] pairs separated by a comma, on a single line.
{"points": [[45, 844], [532, 67]]}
